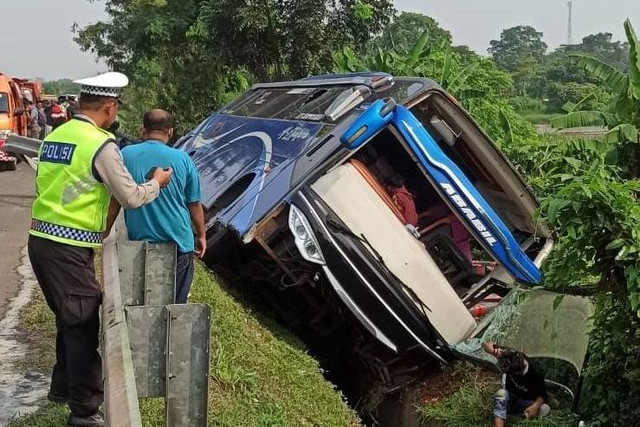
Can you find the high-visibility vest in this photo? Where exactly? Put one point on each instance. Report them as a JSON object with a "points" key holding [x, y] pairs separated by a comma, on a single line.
{"points": [[71, 204]]}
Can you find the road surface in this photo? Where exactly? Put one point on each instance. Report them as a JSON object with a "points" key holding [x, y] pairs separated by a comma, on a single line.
{"points": [[16, 194]]}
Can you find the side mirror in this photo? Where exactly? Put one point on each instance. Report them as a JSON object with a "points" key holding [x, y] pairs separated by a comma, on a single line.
{"points": [[445, 131], [371, 121], [18, 112]]}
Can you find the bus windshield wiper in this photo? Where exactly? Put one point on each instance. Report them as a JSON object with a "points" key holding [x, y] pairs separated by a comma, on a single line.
{"points": [[336, 226]]}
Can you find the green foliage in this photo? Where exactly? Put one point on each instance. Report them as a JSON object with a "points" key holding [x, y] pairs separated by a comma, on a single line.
{"points": [[590, 96], [611, 393], [401, 32], [622, 116], [520, 51], [614, 79], [474, 81], [418, 59], [363, 10], [162, 47], [634, 60], [276, 39], [601, 46], [595, 212], [192, 56], [596, 215], [525, 104], [60, 87], [548, 78], [517, 44], [590, 191], [575, 119], [598, 218]]}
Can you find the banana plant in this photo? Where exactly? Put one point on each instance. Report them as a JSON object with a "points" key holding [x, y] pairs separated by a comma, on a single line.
{"points": [[422, 59], [623, 117]]}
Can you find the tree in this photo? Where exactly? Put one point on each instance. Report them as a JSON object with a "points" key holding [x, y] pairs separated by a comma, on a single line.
{"points": [[517, 44], [601, 47], [520, 50], [557, 69], [161, 45], [290, 38], [188, 56], [402, 32]]}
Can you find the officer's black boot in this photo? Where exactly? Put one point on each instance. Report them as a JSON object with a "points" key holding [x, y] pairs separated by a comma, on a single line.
{"points": [[95, 420]]}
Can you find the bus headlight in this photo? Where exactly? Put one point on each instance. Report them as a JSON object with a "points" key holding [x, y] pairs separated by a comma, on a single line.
{"points": [[304, 237]]}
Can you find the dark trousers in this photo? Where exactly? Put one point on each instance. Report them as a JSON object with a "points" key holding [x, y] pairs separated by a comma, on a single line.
{"points": [[184, 276], [67, 278]]}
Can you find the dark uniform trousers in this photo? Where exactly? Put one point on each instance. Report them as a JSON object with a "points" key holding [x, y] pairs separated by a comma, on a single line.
{"points": [[67, 278]]}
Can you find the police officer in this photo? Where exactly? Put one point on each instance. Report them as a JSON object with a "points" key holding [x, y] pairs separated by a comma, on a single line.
{"points": [[79, 168]]}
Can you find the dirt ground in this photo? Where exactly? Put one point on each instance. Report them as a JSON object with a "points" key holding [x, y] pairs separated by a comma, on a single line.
{"points": [[16, 194]]}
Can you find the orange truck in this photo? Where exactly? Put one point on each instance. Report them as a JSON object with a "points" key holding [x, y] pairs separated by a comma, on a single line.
{"points": [[13, 117], [31, 89]]}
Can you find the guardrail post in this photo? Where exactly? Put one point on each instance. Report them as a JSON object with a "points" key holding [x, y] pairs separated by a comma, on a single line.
{"points": [[152, 347], [120, 394]]}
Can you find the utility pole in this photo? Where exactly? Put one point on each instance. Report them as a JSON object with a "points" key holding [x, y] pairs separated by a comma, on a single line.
{"points": [[570, 26]]}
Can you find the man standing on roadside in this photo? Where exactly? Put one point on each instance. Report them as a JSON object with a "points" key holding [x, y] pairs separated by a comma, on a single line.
{"points": [[34, 126], [79, 166], [42, 120], [169, 217]]}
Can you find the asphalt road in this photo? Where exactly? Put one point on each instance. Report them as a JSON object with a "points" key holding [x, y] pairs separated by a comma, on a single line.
{"points": [[16, 194]]}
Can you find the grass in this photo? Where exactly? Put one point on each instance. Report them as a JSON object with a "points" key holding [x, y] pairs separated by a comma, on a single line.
{"points": [[38, 331], [470, 401], [52, 414], [258, 376]]}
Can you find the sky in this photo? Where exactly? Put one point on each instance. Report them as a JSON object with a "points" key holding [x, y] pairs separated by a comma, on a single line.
{"points": [[476, 22], [37, 40]]}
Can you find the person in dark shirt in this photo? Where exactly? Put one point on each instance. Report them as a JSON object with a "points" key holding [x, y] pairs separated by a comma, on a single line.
{"points": [[523, 393], [72, 109]]}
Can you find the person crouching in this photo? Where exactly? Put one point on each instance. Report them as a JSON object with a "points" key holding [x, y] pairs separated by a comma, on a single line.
{"points": [[523, 392]]}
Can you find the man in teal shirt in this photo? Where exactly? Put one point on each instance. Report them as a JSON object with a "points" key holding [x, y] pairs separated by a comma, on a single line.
{"points": [[169, 217]]}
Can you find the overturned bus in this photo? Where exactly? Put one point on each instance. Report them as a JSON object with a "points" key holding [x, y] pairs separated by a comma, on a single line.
{"points": [[370, 212]]}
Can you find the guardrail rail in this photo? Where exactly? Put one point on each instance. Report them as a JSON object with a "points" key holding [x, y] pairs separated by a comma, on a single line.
{"points": [[22, 145], [151, 347]]}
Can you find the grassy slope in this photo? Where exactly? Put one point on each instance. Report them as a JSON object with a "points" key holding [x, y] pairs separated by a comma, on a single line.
{"points": [[470, 401], [258, 377]]}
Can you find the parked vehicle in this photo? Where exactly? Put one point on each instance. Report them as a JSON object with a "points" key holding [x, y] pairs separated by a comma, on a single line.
{"points": [[31, 90], [297, 183], [13, 118]]}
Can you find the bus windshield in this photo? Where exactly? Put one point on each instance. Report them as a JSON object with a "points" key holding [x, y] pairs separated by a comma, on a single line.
{"points": [[4, 102]]}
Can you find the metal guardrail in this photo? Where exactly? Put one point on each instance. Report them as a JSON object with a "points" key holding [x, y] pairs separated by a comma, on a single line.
{"points": [[152, 347], [121, 396], [22, 145]]}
